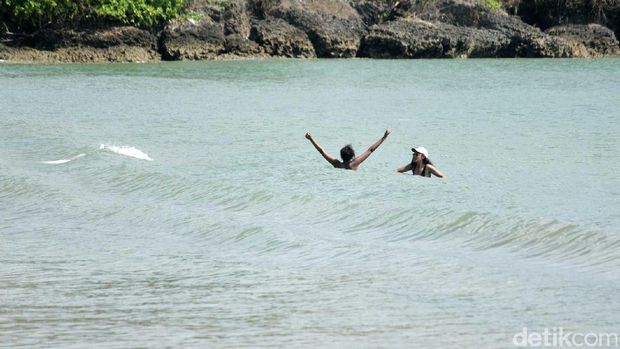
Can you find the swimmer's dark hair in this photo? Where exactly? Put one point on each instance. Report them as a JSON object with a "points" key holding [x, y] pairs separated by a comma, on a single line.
{"points": [[347, 153], [426, 161]]}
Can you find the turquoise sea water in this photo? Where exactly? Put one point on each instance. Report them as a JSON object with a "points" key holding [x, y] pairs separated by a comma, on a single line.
{"points": [[179, 204]]}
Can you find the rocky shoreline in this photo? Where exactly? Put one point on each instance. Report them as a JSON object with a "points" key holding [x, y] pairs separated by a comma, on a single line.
{"points": [[317, 28]]}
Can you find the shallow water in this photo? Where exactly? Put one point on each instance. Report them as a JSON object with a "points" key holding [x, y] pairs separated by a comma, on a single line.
{"points": [[178, 204]]}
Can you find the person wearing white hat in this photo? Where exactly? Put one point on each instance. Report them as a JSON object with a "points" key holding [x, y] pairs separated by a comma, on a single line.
{"points": [[349, 160], [421, 165]]}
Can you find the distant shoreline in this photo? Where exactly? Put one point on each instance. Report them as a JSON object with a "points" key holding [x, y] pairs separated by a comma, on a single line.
{"points": [[317, 29], [43, 60]]}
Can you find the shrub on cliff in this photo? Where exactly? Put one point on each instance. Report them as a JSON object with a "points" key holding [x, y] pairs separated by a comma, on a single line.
{"points": [[32, 15], [141, 13], [29, 14], [492, 4]]}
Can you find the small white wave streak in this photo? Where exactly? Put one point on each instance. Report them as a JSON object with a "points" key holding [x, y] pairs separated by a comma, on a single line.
{"points": [[127, 151], [63, 161]]}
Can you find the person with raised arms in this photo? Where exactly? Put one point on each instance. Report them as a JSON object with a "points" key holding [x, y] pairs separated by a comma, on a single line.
{"points": [[349, 160]]}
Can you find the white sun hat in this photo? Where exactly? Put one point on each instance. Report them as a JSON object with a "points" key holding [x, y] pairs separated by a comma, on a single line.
{"points": [[420, 150]]}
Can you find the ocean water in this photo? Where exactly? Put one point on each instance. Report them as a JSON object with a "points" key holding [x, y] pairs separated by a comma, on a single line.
{"points": [[179, 204]]}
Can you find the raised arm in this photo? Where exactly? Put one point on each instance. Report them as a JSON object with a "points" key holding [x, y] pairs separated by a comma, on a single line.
{"points": [[358, 160], [332, 160]]}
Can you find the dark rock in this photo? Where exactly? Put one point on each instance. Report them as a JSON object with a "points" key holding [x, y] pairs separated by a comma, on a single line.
{"points": [[416, 38], [549, 13], [469, 29], [240, 46], [525, 40], [279, 38], [429, 10], [128, 36], [52, 39], [237, 19], [459, 13], [613, 19], [595, 39], [333, 26], [372, 12], [79, 54], [205, 8], [408, 8], [192, 40]]}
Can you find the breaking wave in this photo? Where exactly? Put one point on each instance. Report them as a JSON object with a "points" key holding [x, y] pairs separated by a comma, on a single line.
{"points": [[120, 150], [63, 161], [126, 151]]}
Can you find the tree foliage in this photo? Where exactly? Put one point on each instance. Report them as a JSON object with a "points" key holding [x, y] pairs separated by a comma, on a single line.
{"points": [[29, 15], [142, 13]]}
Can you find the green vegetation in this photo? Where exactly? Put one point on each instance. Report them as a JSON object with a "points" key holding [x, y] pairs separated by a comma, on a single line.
{"points": [[492, 4], [192, 15], [31, 15], [141, 13]]}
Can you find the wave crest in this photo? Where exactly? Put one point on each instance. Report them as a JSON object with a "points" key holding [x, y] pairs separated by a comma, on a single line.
{"points": [[126, 151], [63, 161]]}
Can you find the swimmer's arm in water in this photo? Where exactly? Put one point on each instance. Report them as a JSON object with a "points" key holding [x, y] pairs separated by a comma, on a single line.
{"points": [[404, 168], [435, 171], [332, 160], [358, 160]]}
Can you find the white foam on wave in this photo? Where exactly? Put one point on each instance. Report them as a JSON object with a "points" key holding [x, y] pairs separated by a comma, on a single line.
{"points": [[127, 151], [63, 161]]}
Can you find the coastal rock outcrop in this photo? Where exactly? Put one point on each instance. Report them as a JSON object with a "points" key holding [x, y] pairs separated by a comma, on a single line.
{"points": [[236, 19], [416, 38], [590, 40], [287, 28], [96, 38], [524, 40], [192, 39], [459, 28], [237, 22], [278, 38], [333, 26], [372, 12], [217, 29], [238, 46], [113, 44], [116, 54]]}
